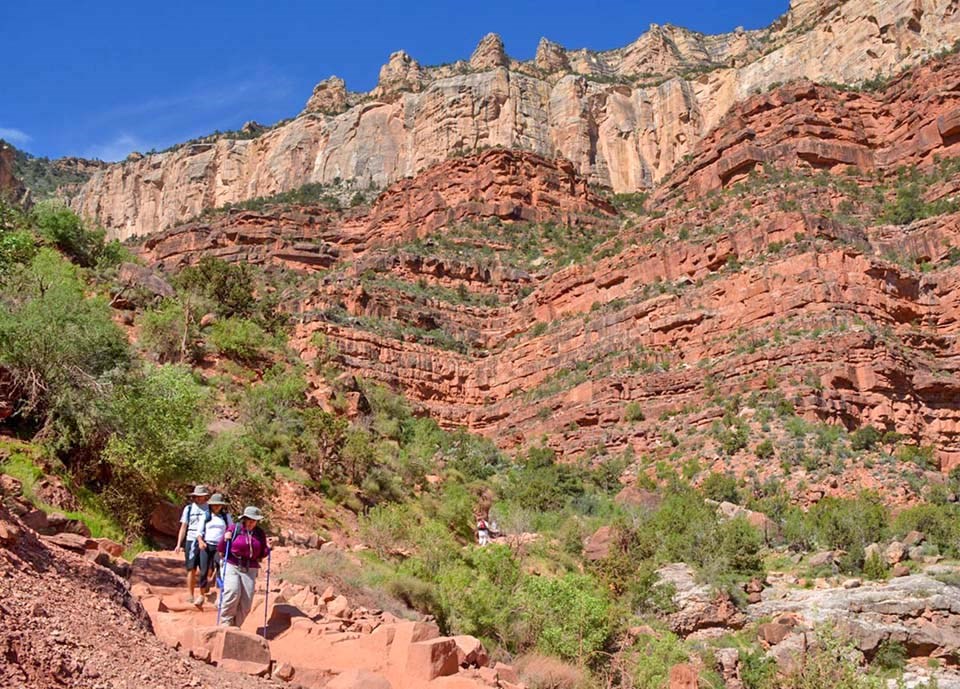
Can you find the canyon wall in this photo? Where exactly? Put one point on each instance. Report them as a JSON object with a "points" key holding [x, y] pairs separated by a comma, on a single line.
{"points": [[624, 118]]}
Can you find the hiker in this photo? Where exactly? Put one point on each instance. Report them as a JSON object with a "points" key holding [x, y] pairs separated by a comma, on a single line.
{"points": [[248, 546], [192, 520], [483, 533], [218, 519]]}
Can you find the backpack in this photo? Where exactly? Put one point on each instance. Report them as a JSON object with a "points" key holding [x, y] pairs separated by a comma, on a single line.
{"points": [[203, 526]]}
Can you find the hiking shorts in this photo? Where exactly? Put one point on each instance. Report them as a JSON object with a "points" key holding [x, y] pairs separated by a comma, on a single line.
{"points": [[191, 555]]}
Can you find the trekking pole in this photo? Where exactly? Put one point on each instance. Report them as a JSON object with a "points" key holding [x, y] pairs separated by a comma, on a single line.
{"points": [[266, 597], [222, 580]]}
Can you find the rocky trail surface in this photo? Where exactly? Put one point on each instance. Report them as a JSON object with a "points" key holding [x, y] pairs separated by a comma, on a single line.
{"points": [[313, 639], [66, 621]]}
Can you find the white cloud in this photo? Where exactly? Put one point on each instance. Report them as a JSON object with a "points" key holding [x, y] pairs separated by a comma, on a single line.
{"points": [[15, 136], [119, 148]]}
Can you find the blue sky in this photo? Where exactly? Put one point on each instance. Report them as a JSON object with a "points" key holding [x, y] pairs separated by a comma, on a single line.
{"points": [[100, 78]]}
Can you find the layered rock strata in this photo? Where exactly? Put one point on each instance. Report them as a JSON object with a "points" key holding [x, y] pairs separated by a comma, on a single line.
{"points": [[623, 117]]}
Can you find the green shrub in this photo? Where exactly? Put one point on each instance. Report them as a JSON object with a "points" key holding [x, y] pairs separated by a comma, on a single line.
{"points": [[940, 524], [722, 488], [633, 412], [833, 664], [162, 427], [565, 616], [229, 286], [922, 456], [890, 655], [655, 656], [757, 670], [239, 339], [61, 347], [539, 483], [764, 449], [875, 568], [169, 333], [477, 594], [472, 456], [865, 438], [62, 228]]}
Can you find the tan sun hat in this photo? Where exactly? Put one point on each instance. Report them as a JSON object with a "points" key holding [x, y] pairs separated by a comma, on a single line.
{"points": [[253, 513], [199, 492], [216, 499]]}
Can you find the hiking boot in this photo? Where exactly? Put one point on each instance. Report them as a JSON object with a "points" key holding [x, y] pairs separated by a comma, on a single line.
{"points": [[199, 601]]}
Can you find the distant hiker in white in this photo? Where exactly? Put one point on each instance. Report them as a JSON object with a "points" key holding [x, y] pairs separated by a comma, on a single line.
{"points": [[194, 517], [483, 533], [243, 546]]}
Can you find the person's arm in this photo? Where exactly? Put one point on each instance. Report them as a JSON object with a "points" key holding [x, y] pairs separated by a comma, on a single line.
{"points": [[264, 543], [183, 532], [222, 545]]}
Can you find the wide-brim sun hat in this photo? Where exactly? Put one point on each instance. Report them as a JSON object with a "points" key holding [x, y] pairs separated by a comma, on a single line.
{"points": [[253, 513], [216, 499], [199, 492]]}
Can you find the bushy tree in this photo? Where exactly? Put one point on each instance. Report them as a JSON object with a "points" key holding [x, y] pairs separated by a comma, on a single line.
{"points": [[239, 339], [63, 229], [565, 616], [477, 593], [162, 421], [170, 333], [61, 347], [229, 286]]}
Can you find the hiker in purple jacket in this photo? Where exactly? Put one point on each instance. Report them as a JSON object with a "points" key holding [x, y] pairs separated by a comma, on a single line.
{"points": [[248, 546]]}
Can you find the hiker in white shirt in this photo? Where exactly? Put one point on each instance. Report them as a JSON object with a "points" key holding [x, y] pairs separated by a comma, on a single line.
{"points": [[213, 530], [191, 525]]}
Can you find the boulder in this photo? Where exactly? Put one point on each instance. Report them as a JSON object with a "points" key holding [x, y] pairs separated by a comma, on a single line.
{"points": [[339, 607], [428, 660], [284, 671], [788, 653], [900, 570], [37, 520], [405, 634], [506, 673], [238, 651], [165, 519], [597, 546], [69, 541], [773, 633], [895, 552], [60, 522], [913, 538], [359, 679], [470, 651], [728, 664], [111, 548], [872, 551], [683, 676], [9, 533], [822, 559]]}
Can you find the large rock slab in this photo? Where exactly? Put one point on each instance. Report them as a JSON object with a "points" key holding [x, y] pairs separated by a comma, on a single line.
{"points": [[918, 611]]}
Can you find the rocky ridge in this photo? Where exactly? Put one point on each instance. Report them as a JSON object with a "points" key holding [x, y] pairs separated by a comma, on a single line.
{"points": [[747, 243], [624, 118]]}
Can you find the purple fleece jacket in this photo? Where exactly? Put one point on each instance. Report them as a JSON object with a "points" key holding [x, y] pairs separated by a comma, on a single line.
{"points": [[247, 547]]}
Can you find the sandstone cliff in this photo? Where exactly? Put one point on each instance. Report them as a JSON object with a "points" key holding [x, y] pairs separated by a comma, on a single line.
{"points": [[766, 265], [623, 117]]}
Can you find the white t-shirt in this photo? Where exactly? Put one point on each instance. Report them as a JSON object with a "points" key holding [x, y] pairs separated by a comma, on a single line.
{"points": [[215, 527], [194, 516]]}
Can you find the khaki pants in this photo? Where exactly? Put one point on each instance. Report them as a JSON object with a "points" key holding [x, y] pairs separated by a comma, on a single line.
{"points": [[238, 586]]}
